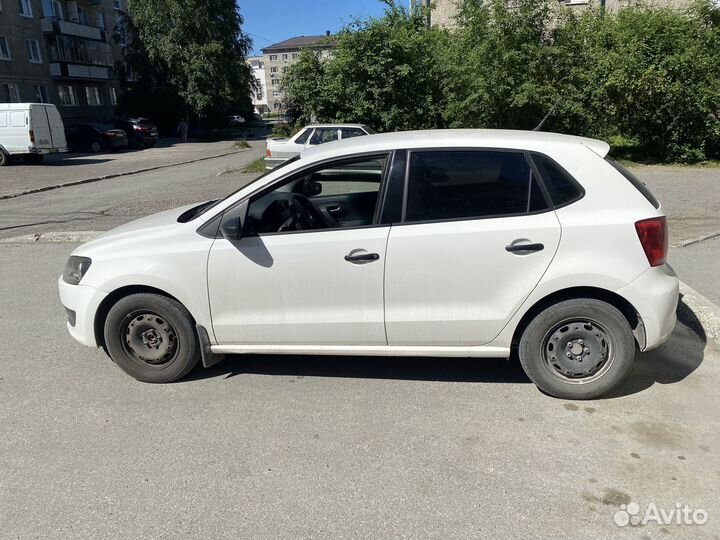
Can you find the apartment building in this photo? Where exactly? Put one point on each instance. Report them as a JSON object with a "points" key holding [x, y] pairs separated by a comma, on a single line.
{"points": [[446, 11], [280, 56], [259, 93], [61, 52]]}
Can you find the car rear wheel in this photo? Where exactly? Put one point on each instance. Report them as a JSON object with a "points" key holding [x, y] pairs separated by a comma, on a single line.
{"points": [[4, 158], [152, 338], [577, 349], [96, 146]]}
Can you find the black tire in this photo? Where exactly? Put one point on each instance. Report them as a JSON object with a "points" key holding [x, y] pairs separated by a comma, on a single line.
{"points": [[577, 349], [4, 158], [152, 338], [96, 147]]}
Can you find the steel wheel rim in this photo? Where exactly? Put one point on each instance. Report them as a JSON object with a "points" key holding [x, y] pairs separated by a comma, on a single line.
{"points": [[149, 338], [578, 351]]}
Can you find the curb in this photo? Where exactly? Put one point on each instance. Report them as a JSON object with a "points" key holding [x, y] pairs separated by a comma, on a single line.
{"points": [[686, 243], [114, 175]]}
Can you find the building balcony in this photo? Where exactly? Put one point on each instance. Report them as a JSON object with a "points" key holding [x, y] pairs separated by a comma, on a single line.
{"points": [[52, 25], [68, 70]]}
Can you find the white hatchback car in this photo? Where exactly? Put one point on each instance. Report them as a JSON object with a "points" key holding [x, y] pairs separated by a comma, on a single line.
{"points": [[469, 243]]}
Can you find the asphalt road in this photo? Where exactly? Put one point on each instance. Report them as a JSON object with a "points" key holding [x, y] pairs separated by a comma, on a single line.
{"points": [[315, 447], [298, 446]]}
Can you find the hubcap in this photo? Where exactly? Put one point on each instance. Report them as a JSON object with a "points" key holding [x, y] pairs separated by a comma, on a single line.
{"points": [[577, 351], [149, 338]]}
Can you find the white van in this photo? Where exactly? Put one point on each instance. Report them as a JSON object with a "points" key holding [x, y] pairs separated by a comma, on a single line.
{"points": [[30, 130]]}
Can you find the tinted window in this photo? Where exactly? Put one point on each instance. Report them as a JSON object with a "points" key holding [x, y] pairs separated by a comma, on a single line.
{"points": [[468, 184], [562, 187], [348, 133], [635, 181], [302, 139]]}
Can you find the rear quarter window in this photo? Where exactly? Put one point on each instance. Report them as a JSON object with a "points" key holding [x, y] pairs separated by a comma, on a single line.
{"points": [[635, 181], [562, 188]]}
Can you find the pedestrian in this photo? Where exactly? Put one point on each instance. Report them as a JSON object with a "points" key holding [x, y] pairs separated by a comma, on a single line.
{"points": [[182, 130]]}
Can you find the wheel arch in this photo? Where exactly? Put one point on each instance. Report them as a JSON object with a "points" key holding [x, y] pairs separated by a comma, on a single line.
{"points": [[622, 304], [111, 299]]}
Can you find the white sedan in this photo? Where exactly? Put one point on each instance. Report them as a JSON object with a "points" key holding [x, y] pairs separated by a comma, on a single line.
{"points": [[467, 243], [279, 150]]}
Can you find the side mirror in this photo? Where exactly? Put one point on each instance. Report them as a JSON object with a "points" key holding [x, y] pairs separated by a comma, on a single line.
{"points": [[231, 226]]}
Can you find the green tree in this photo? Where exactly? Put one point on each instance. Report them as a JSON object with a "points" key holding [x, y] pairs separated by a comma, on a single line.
{"points": [[193, 49], [383, 72]]}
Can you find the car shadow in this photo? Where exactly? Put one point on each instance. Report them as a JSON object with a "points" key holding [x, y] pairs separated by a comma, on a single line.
{"points": [[683, 353], [669, 364]]}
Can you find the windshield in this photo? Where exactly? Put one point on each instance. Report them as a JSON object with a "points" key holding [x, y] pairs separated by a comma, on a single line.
{"points": [[211, 204]]}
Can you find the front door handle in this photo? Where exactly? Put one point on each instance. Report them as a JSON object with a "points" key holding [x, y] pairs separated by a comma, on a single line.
{"points": [[361, 257], [515, 248]]}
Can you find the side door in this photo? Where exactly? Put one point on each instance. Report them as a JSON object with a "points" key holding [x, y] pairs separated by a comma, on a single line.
{"points": [[300, 276], [40, 126], [477, 232]]}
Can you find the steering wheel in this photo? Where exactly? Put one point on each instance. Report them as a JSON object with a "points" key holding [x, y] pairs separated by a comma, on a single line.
{"points": [[299, 214]]}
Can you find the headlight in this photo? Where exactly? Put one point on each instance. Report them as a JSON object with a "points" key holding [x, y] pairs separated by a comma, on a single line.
{"points": [[75, 269]]}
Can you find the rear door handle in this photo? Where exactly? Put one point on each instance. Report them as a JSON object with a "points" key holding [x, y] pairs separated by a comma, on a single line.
{"points": [[515, 248], [362, 257]]}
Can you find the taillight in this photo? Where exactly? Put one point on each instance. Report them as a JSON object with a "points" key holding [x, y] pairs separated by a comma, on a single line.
{"points": [[653, 235], [267, 153], [32, 136]]}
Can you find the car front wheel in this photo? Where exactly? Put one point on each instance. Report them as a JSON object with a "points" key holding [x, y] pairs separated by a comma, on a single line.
{"points": [[577, 349], [151, 337]]}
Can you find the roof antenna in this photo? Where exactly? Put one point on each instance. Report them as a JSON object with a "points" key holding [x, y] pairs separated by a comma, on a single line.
{"points": [[542, 122]]}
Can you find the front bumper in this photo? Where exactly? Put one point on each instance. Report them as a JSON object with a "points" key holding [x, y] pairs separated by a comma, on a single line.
{"points": [[655, 295], [84, 302]]}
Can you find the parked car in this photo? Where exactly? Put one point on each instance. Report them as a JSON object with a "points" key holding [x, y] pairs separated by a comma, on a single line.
{"points": [[95, 137], [279, 150], [471, 243], [235, 120], [29, 131], [140, 132]]}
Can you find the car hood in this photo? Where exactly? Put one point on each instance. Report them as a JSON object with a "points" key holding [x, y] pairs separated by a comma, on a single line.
{"points": [[151, 225]]}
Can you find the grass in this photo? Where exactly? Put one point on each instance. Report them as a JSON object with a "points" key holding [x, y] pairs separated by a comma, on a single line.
{"points": [[256, 166], [240, 145], [711, 164]]}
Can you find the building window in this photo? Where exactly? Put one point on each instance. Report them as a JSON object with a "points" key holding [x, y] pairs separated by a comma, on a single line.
{"points": [[57, 11], [274, 69], [116, 4], [33, 50], [9, 93], [92, 93], [259, 96], [67, 95], [113, 96], [25, 8], [100, 20], [41, 94], [273, 57], [4, 49], [285, 56], [284, 69], [274, 82], [276, 93], [294, 56]]}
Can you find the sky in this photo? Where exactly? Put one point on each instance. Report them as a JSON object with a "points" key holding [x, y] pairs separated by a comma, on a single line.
{"points": [[271, 21]]}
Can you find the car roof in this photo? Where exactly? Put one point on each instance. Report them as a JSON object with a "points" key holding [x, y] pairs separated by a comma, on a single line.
{"points": [[454, 138], [336, 126]]}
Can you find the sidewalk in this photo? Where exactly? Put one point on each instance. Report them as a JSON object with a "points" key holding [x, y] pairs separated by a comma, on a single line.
{"points": [[65, 168]]}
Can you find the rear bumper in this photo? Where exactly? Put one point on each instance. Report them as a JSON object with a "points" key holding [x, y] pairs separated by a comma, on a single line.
{"points": [[48, 150], [81, 303], [655, 294]]}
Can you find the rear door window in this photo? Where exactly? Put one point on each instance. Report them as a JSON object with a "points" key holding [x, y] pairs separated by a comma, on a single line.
{"points": [[323, 135], [302, 139], [348, 133], [458, 184]]}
